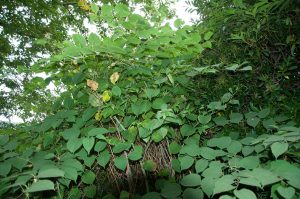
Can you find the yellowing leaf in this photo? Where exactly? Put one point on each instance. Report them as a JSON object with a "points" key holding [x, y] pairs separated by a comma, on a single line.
{"points": [[114, 77], [98, 116], [106, 96], [83, 5], [81, 2], [92, 84]]}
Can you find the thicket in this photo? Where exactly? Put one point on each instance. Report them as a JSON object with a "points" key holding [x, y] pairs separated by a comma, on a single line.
{"points": [[208, 111]]}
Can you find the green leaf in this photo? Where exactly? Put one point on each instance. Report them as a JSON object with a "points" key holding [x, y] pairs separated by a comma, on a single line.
{"points": [[178, 23], [207, 186], [234, 147], [268, 123], [208, 35], [88, 143], [120, 147], [246, 68], [70, 173], [244, 194], [191, 180], [216, 106], [94, 101], [208, 44], [253, 121], [72, 163], [88, 177], [213, 171], [155, 123], [159, 134], [273, 138], [151, 195], [124, 195], [191, 149], [73, 144], [121, 10], [94, 8], [279, 148], [187, 130], [208, 153], [159, 103], [90, 191], [232, 67], [176, 165], [174, 148], [249, 162], [89, 160], [171, 190], [287, 171], [106, 11], [5, 168], [264, 176], [50, 173], [236, 117], [286, 192], [104, 158], [149, 165], [140, 107], [89, 113], [121, 162], [171, 79], [201, 165], [97, 131], [22, 180], [116, 91], [250, 181], [226, 197], [263, 113], [204, 119], [191, 193], [220, 121], [3, 139], [74, 193], [136, 154], [247, 150], [151, 93], [221, 142], [226, 97], [70, 133], [186, 162], [100, 146], [224, 184], [41, 185], [79, 40]]}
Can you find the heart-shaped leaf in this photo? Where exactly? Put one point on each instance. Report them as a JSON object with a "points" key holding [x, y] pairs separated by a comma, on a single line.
{"points": [[286, 192], [88, 143], [279, 148]]}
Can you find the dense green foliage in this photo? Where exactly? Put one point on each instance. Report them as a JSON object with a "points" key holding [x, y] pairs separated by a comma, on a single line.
{"points": [[264, 34], [30, 30], [155, 112]]}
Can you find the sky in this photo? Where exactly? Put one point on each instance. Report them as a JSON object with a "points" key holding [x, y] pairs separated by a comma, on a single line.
{"points": [[180, 8]]}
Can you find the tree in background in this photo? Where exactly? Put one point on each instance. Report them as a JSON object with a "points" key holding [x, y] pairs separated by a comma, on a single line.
{"points": [[263, 33], [25, 29]]}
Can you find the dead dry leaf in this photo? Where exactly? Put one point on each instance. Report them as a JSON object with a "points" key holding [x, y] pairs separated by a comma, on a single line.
{"points": [[92, 84], [114, 77]]}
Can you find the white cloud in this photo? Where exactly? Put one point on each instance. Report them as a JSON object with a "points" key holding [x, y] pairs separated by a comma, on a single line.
{"points": [[180, 8]]}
